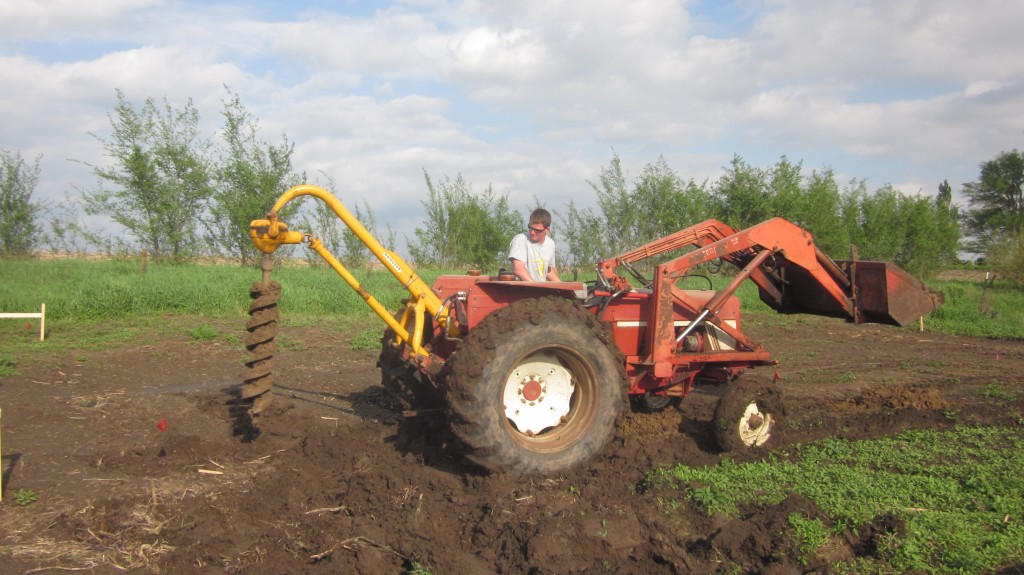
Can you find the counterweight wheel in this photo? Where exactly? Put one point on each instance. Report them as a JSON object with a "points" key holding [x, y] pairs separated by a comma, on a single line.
{"points": [[749, 415], [653, 403], [536, 387], [261, 332]]}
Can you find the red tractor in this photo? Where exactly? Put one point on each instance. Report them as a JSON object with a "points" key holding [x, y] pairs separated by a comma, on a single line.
{"points": [[533, 375]]}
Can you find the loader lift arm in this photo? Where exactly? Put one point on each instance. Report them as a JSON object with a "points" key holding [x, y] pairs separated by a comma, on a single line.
{"points": [[791, 273], [797, 278], [716, 240]]}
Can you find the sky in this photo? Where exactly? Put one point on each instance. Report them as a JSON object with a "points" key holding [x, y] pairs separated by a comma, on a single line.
{"points": [[531, 97]]}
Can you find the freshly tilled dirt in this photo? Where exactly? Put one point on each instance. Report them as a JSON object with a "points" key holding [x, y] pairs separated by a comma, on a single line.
{"points": [[142, 463]]}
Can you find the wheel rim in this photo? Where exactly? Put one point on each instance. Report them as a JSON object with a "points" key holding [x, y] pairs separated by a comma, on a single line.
{"points": [[549, 399], [755, 426]]}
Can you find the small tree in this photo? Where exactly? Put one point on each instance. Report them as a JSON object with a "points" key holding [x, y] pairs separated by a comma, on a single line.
{"points": [[948, 232], [251, 175], [337, 237], [462, 227], [995, 212], [876, 225], [18, 213], [664, 204], [744, 195], [657, 204], [785, 192], [849, 213], [918, 233], [581, 239], [354, 250], [924, 248], [614, 201], [64, 230], [1007, 258], [820, 211], [160, 176]]}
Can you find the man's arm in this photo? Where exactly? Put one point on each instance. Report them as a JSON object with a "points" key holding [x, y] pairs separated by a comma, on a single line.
{"points": [[519, 268], [553, 275]]}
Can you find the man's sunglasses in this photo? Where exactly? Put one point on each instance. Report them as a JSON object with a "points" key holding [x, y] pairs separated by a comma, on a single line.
{"points": [[535, 230]]}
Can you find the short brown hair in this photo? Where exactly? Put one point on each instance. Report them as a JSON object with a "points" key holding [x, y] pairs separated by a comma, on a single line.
{"points": [[541, 216]]}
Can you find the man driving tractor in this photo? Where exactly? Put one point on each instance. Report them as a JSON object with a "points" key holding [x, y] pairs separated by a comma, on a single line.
{"points": [[532, 252]]}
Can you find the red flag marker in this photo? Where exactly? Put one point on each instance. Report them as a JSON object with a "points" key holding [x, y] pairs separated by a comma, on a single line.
{"points": [[28, 326], [162, 426], [776, 377]]}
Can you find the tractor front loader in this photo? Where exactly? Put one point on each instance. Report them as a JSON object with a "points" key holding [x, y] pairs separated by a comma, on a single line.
{"points": [[533, 375]]}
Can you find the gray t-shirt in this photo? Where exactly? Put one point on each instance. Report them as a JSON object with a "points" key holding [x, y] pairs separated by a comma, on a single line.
{"points": [[538, 258]]}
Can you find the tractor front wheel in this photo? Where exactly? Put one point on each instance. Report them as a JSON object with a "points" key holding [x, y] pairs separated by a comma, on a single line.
{"points": [[536, 387], [749, 415]]}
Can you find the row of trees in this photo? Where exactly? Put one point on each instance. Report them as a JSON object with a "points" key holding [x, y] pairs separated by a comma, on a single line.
{"points": [[176, 192], [179, 194], [169, 181], [917, 232]]}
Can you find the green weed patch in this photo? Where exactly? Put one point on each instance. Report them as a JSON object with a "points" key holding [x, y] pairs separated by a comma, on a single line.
{"points": [[960, 492]]}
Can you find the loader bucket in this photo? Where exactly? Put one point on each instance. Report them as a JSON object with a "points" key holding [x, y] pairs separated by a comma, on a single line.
{"points": [[887, 294]]}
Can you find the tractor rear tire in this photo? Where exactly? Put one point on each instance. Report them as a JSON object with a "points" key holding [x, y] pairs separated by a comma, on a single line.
{"points": [[749, 415], [536, 387]]}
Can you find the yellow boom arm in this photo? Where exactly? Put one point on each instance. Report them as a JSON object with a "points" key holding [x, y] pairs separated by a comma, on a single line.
{"points": [[269, 234]]}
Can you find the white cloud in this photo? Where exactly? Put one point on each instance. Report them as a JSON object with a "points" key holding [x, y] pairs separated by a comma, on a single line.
{"points": [[532, 96], [853, 41], [58, 19]]}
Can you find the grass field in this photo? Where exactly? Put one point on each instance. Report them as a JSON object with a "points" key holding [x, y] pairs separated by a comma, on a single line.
{"points": [[86, 291]]}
